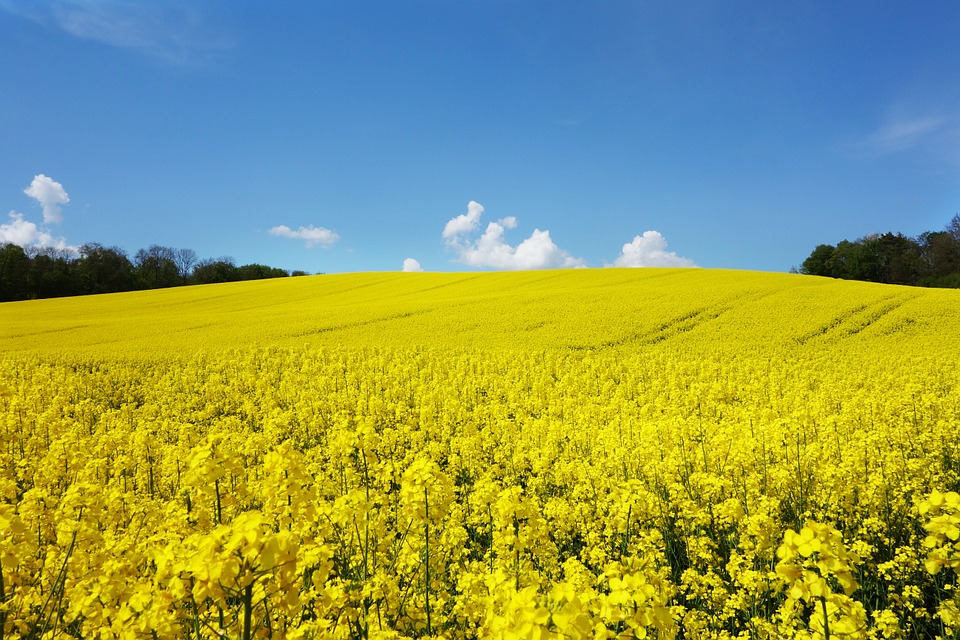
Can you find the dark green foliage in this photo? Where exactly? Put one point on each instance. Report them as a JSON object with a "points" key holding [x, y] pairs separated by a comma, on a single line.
{"points": [[103, 270], [932, 259], [819, 262], [51, 273], [14, 272], [259, 272], [157, 268], [213, 271]]}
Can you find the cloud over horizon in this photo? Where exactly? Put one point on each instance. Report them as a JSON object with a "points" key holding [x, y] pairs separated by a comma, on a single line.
{"points": [[491, 249], [311, 235], [28, 235], [412, 265], [650, 250]]}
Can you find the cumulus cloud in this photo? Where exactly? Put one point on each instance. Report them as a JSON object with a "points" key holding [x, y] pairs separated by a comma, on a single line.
{"points": [[463, 224], [411, 265], [19, 231], [26, 234], [650, 250], [313, 236], [492, 250], [50, 194]]}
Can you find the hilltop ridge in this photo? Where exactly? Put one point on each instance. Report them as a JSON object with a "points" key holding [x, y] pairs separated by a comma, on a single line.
{"points": [[577, 309]]}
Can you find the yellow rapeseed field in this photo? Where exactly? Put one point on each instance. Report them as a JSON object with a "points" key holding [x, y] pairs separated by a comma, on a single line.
{"points": [[557, 454]]}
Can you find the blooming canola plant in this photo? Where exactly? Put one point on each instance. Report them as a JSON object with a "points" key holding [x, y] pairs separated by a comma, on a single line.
{"points": [[557, 454]]}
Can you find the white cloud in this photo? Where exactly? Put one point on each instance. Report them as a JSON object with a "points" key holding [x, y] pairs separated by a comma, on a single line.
{"points": [[50, 194], [26, 234], [410, 265], [174, 30], [650, 250], [491, 249], [465, 223], [18, 231], [313, 236], [904, 133]]}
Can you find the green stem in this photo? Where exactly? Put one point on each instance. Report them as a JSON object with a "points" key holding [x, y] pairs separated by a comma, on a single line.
{"points": [[196, 616], [826, 620], [490, 513], [56, 589], [516, 553], [426, 537], [3, 600], [216, 488], [626, 534], [247, 610]]}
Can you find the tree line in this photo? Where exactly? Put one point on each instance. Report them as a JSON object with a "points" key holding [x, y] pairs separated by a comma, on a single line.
{"points": [[932, 259], [50, 273]]}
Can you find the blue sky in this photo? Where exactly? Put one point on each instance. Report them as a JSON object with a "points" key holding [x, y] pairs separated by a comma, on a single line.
{"points": [[352, 135]]}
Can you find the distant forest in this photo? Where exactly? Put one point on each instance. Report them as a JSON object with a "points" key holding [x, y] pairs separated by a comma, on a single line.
{"points": [[932, 259], [48, 273]]}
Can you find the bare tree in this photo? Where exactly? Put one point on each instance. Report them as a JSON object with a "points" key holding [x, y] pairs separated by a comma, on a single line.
{"points": [[186, 260], [953, 227], [156, 267]]}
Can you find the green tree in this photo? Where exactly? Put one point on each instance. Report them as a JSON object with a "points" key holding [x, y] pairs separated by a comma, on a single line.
{"points": [[930, 259], [844, 263], [156, 267], [259, 272], [897, 259], [818, 263], [14, 273], [213, 271], [104, 270], [52, 274]]}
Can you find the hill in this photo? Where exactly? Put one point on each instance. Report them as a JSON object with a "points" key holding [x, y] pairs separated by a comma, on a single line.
{"points": [[586, 453], [599, 309]]}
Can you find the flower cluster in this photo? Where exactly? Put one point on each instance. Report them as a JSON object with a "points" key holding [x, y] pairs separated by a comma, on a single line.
{"points": [[941, 512], [818, 571]]}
